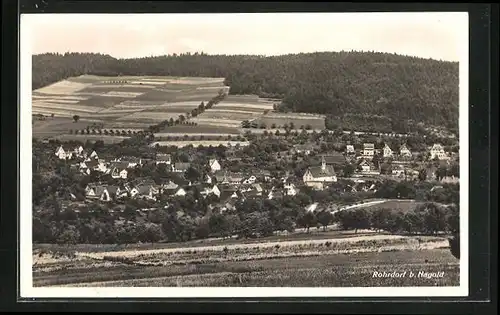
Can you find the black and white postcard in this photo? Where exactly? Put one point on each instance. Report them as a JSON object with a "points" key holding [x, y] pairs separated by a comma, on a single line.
{"points": [[244, 155]]}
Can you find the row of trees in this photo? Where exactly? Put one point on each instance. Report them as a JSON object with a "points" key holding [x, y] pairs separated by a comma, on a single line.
{"points": [[429, 218], [253, 218], [399, 88]]}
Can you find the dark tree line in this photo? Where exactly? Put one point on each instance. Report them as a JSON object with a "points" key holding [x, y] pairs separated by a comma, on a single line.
{"points": [[392, 87]]}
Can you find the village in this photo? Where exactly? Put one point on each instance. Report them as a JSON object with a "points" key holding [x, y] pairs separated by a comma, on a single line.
{"points": [[363, 168]]}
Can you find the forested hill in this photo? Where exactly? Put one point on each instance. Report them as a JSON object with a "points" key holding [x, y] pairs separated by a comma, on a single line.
{"points": [[387, 87]]}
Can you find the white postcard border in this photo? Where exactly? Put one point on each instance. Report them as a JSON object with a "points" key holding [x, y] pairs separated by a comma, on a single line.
{"points": [[25, 196]]}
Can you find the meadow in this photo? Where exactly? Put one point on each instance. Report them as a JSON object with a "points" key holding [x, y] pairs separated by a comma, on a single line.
{"points": [[299, 120], [348, 261]]}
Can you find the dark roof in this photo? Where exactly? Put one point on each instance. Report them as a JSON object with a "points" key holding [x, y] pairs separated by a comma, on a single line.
{"points": [[112, 189], [317, 171], [119, 165], [163, 157], [334, 159], [92, 163], [182, 166]]}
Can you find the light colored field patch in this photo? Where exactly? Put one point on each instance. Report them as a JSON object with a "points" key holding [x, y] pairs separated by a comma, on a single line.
{"points": [[216, 88], [170, 90], [124, 94], [295, 116], [184, 103], [58, 97], [55, 101], [62, 87], [135, 107], [228, 112], [246, 105], [213, 120], [121, 110], [78, 108], [198, 97], [83, 138], [151, 116], [57, 112], [147, 82]]}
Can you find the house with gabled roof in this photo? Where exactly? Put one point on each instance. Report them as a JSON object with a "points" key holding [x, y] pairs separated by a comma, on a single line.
{"points": [[62, 154], [387, 151], [78, 151], [319, 176], [368, 150], [404, 151], [209, 190], [119, 173], [144, 191], [163, 158], [368, 168], [437, 151], [109, 193], [214, 165], [290, 189], [235, 178], [94, 190], [250, 180]]}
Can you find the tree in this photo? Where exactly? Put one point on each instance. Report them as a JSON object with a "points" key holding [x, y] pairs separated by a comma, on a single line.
{"points": [[76, 118], [306, 220], [70, 235], [219, 225], [422, 175], [348, 170], [435, 219], [455, 245], [325, 218], [453, 219], [193, 174]]}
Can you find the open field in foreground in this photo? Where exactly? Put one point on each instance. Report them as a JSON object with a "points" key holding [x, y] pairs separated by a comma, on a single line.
{"points": [[333, 262]]}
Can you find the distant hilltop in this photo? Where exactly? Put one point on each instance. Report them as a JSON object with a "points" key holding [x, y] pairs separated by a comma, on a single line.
{"points": [[393, 87]]}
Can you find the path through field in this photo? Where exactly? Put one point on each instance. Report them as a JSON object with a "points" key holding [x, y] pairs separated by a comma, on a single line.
{"points": [[133, 253]]}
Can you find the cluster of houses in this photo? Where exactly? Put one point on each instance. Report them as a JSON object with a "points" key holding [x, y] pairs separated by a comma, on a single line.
{"points": [[321, 176], [228, 186]]}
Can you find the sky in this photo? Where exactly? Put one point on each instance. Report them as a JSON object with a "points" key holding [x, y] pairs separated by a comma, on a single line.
{"points": [[441, 36]]}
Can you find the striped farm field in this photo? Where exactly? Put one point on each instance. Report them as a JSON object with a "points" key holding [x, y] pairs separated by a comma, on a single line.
{"points": [[90, 137], [65, 107], [246, 106], [64, 87], [228, 112], [102, 101], [216, 122], [200, 97], [150, 116], [126, 101]]}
